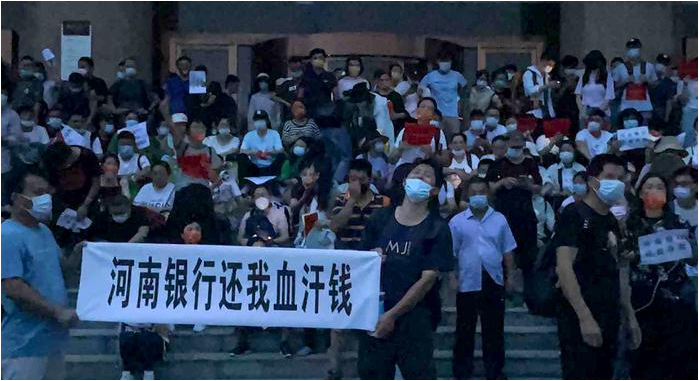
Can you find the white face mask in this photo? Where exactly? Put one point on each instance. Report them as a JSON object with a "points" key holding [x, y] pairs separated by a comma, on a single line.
{"points": [[378, 147], [458, 152], [224, 131], [130, 71], [633, 53], [162, 130], [120, 218], [481, 83], [42, 206], [260, 125], [477, 125], [444, 66], [593, 126], [491, 122], [511, 127]]}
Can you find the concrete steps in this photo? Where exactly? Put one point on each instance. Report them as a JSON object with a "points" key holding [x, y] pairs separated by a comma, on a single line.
{"points": [[531, 351]]}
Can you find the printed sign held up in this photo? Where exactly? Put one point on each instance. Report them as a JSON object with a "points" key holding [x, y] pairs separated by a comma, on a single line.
{"points": [[664, 246], [632, 138], [226, 285]]}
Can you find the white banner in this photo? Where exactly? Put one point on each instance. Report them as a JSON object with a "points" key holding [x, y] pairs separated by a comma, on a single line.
{"points": [[664, 246], [633, 138], [229, 285]]}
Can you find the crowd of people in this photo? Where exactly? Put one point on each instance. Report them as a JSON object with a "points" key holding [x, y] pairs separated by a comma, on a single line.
{"points": [[448, 182]]}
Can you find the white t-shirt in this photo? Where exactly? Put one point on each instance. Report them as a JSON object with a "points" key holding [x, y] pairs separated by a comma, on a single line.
{"points": [[596, 146], [133, 165], [158, 200], [567, 175], [38, 134], [692, 89], [687, 215], [224, 149], [464, 164], [498, 131], [268, 143], [445, 90], [402, 87], [621, 73], [412, 153], [533, 82], [594, 94], [347, 83]]}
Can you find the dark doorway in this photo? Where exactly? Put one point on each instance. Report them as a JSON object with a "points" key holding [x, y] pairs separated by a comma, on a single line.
{"points": [[270, 57]]}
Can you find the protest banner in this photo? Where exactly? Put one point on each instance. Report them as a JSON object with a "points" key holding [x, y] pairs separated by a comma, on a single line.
{"points": [[229, 285], [664, 246], [633, 138]]}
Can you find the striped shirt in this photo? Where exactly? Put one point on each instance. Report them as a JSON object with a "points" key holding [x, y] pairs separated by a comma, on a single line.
{"points": [[350, 235], [292, 131]]}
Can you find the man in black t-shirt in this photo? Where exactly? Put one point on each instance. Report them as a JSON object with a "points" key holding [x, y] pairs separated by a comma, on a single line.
{"points": [[416, 246], [317, 82], [120, 223], [593, 277], [86, 66], [514, 179], [292, 87]]}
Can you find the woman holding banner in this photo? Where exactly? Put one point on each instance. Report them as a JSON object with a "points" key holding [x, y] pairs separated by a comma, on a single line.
{"points": [[415, 245], [661, 294]]}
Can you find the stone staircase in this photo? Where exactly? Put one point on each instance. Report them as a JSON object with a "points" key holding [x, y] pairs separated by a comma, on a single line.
{"points": [[531, 352]]}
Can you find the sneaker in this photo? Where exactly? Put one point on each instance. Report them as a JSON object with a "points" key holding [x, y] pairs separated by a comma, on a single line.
{"points": [[304, 351], [285, 349], [242, 348], [148, 375], [126, 375]]}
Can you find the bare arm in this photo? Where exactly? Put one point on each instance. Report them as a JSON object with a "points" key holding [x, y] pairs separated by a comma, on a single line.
{"points": [[582, 148], [340, 219], [28, 299], [141, 235]]}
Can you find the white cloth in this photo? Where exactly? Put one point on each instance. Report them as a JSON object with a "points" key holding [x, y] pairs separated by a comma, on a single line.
{"points": [[621, 74], [545, 217], [346, 84], [686, 215], [382, 118], [567, 175], [445, 90], [542, 141], [222, 149], [480, 245], [595, 94], [158, 200], [402, 87], [464, 164], [498, 131], [133, 165], [38, 134], [409, 155], [596, 146], [263, 101], [268, 143], [537, 91], [569, 200]]}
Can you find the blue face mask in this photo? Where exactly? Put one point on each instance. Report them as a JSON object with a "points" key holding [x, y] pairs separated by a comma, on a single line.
{"points": [[515, 153], [610, 191], [478, 201], [55, 123], [126, 152], [299, 151], [630, 123], [580, 189], [109, 128], [417, 190], [131, 123]]}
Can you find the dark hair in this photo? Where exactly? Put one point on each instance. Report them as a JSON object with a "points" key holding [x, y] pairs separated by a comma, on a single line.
{"points": [[630, 112], [215, 88], [56, 155], [126, 135], [76, 78], [183, 58], [499, 138], [638, 201], [27, 58], [568, 142], [511, 67], [107, 156], [231, 78], [361, 165], [19, 180], [569, 61], [476, 112], [685, 171], [438, 175], [163, 164], [87, 60], [24, 108], [481, 73], [354, 58], [444, 56], [594, 60], [582, 174], [664, 59], [317, 51], [476, 180], [548, 55], [598, 112], [459, 134], [486, 161], [434, 103], [617, 59], [263, 78], [598, 162], [295, 59], [378, 73], [119, 200]]}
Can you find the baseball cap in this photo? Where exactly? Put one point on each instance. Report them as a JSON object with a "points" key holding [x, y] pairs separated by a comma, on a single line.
{"points": [[179, 118], [633, 43]]}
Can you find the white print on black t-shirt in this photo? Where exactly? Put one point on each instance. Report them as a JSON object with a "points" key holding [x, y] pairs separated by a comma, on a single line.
{"points": [[395, 247]]}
